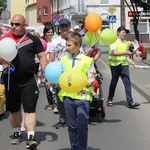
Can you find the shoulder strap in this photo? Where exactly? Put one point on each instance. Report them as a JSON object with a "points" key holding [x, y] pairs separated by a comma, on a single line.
{"points": [[22, 38]]}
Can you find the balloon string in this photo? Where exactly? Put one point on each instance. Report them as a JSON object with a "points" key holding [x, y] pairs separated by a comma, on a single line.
{"points": [[92, 43], [8, 78], [95, 40]]}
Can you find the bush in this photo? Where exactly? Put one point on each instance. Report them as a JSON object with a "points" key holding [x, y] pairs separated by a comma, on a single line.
{"points": [[148, 50]]}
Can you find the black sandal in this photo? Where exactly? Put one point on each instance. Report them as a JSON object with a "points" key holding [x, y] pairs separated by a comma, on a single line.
{"points": [[133, 105]]}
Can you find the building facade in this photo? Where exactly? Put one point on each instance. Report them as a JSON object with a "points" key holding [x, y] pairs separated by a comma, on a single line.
{"points": [[44, 11], [19, 6], [30, 14], [113, 13]]}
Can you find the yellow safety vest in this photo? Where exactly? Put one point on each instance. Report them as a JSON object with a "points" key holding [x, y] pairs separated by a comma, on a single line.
{"points": [[82, 65], [117, 60]]}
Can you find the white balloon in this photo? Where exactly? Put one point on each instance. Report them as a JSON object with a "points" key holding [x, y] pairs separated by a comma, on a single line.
{"points": [[8, 49]]}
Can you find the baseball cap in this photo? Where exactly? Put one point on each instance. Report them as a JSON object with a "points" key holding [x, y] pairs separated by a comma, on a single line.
{"points": [[71, 30], [64, 21], [76, 27], [123, 28]]}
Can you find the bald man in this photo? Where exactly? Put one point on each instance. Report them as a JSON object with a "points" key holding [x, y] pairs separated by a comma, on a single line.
{"points": [[22, 84]]}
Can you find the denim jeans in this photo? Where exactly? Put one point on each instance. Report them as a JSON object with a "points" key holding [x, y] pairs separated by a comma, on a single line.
{"points": [[77, 114], [123, 72]]}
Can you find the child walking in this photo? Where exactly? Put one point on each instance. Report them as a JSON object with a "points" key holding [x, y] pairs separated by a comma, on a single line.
{"points": [[77, 105]]}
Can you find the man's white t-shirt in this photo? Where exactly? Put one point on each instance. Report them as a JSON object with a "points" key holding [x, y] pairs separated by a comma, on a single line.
{"points": [[58, 46]]}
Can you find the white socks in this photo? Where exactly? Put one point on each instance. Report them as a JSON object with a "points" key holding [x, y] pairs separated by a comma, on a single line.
{"points": [[17, 130], [30, 133]]}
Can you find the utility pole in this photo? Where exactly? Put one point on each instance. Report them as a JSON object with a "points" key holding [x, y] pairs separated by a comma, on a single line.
{"points": [[122, 10], [56, 26], [52, 13]]}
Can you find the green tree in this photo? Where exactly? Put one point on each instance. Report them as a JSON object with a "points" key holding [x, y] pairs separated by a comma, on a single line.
{"points": [[145, 4], [3, 5], [133, 6]]}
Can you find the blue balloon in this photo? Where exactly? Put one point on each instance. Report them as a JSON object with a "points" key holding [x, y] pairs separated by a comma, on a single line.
{"points": [[53, 71]]}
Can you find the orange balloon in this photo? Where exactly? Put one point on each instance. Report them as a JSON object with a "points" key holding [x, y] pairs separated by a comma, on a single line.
{"points": [[93, 22]]}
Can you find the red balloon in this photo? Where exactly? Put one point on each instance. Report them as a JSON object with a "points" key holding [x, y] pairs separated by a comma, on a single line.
{"points": [[93, 22], [43, 43]]}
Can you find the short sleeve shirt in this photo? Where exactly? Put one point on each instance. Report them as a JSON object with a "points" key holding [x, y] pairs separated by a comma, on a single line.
{"points": [[24, 62], [58, 46]]}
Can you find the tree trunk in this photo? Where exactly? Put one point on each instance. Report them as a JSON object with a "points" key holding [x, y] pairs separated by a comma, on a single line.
{"points": [[135, 25]]}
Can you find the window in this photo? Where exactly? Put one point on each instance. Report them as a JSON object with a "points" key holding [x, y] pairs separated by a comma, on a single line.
{"points": [[142, 26], [80, 6], [39, 12], [39, 15], [104, 1], [27, 2], [45, 10]]}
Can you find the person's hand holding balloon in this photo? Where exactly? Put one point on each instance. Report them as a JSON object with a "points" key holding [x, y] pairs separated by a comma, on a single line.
{"points": [[87, 51], [5, 63]]}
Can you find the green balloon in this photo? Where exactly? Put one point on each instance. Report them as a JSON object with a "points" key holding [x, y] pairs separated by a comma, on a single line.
{"points": [[92, 39], [108, 36]]}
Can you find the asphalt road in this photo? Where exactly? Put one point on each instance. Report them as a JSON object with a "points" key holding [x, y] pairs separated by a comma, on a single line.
{"points": [[122, 129]]}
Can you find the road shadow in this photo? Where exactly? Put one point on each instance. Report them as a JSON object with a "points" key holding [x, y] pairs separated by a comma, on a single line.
{"points": [[38, 123], [122, 103], [93, 121], [112, 120], [88, 148], [46, 136]]}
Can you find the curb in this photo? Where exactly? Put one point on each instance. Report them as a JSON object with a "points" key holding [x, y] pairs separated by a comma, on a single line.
{"points": [[146, 62], [145, 95]]}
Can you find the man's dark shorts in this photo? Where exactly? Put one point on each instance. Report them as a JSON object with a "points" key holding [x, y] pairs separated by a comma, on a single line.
{"points": [[23, 91]]}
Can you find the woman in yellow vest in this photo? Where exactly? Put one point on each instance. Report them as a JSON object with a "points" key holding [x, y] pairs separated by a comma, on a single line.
{"points": [[118, 62], [77, 105]]}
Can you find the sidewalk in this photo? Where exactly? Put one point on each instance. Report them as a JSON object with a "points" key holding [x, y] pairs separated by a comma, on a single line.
{"points": [[140, 78], [146, 45]]}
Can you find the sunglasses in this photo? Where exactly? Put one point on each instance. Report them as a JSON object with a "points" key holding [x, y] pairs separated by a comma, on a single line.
{"points": [[16, 24]]}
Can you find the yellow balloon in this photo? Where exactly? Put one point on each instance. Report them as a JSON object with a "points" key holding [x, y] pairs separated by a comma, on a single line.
{"points": [[129, 43], [72, 81]]}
